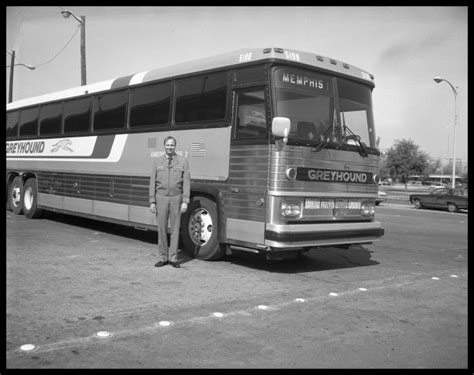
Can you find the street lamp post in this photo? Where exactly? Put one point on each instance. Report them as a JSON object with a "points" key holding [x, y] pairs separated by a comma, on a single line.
{"points": [[12, 69], [82, 21], [438, 80]]}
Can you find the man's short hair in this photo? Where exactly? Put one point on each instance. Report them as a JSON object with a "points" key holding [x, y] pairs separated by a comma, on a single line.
{"points": [[168, 138]]}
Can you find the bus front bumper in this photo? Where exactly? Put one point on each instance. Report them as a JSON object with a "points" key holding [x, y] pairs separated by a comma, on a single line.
{"points": [[293, 236]]}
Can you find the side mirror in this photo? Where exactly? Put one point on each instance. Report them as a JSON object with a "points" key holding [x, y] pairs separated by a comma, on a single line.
{"points": [[281, 127]]}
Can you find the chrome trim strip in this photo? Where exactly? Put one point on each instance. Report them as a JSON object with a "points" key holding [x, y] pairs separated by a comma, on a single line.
{"points": [[305, 194], [334, 242], [317, 228]]}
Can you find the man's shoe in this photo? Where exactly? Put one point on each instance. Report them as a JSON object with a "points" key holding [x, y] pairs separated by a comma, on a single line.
{"points": [[160, 264], [175, 264]]}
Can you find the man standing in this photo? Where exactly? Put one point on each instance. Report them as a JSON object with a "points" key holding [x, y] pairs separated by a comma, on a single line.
{"points": [[169, 198]]}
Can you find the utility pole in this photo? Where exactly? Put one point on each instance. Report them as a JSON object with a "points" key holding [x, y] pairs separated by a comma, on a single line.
{"points": [[12, 64]]}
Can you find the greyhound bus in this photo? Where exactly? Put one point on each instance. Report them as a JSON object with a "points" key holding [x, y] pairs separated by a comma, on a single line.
{"points": [[281, 146]]}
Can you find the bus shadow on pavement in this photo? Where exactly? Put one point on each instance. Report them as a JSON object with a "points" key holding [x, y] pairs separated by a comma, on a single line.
{"points": [[317, 259], [102, 226]]}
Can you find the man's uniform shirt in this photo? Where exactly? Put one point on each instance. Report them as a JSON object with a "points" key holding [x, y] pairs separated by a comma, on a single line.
{"points": [[170, 179]]}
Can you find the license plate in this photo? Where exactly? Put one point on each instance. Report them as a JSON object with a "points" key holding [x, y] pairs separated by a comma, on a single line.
{"points": [[330, 204]]}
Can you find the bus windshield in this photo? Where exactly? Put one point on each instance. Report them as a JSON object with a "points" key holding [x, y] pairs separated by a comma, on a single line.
{"points": [[307, 99]]}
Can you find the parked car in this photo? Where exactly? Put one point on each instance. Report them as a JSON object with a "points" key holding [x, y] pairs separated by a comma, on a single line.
{"points": [[381, 197], [442, 198]]}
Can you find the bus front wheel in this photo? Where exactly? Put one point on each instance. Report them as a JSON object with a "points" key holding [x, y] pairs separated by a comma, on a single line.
{"points": [[199, 230], [30, 199], [15, 195]]}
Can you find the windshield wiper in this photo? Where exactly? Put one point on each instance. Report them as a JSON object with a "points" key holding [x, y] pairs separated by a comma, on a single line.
{"points": [[324, 140], [362, 150]]}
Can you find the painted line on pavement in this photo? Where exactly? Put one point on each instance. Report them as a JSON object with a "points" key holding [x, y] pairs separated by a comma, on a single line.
{"points": [[106, 336]]}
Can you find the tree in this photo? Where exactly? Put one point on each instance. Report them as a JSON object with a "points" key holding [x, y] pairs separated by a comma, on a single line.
{"points": [[405, 159]]}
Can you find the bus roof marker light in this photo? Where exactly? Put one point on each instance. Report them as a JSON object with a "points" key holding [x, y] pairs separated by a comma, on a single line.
{"points": [[333, 62], [267, 50], [278, 50], [345, 65], [27, 347], [319, 58]]}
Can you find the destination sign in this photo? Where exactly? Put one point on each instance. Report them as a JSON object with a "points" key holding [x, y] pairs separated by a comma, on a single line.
{"points": [[300, 79], [330, 175]]}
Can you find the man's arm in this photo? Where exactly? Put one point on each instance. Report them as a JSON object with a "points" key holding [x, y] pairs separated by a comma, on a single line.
{"points": [[152, 182], [186, 181]]}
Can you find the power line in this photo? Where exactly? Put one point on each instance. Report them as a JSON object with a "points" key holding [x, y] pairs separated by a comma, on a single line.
{"points": [[62, 49]]}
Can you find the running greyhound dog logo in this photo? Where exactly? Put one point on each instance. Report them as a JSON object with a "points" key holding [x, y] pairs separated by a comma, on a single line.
{"points": [[62, 144]]}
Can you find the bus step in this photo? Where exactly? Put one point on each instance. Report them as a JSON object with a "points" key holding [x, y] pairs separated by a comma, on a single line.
{"points": [[241, 248]]}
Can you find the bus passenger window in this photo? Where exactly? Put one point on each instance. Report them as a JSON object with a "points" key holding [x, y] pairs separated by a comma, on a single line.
{"points": [[50, 119], [77, 116], [110, 111], [12, 124], [29, 122], [150, 105], [251, 120], [201, 98]]}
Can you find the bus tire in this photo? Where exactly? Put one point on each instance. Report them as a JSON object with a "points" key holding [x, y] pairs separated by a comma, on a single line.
{"points": [[15, 195], [199, 230], [30, 200]]}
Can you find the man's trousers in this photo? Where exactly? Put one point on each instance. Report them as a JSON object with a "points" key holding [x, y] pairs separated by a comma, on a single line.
{"points": [[168, 208]]}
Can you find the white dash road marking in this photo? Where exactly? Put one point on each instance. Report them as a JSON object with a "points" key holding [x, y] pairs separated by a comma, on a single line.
{"points": [[27, 347], [103, 334]]}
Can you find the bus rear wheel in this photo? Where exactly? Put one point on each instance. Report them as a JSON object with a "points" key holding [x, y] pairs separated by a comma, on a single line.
{"points": [[199, 230], [30, 199], [15, 195]]}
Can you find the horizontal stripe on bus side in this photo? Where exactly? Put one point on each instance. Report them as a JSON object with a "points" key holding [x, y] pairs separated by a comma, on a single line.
{"points": [[130, 190]]}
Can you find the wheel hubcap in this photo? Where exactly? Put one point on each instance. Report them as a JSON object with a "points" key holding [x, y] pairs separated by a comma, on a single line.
{"points": [[16, 191], [200, 227]]}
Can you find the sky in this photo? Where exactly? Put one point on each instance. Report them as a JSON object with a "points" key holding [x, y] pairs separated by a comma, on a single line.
{"points": [[403, 47]]}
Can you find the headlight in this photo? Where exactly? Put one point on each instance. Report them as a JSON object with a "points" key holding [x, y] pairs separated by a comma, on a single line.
{"points": [[367, 209], [292, 209]]}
